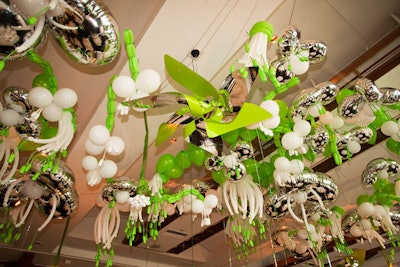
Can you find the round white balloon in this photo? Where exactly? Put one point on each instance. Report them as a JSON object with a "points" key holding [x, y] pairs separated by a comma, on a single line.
{"points": [[148, 81], [52, 112], [89, 163], [108, 169], [124, 86], [115, 145], [92, 148], [9, 117], [40, 97], [99, 135], [65, 98]]}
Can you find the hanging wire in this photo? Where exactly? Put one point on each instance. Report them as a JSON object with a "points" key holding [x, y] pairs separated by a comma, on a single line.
{"points": [[292, 12]]}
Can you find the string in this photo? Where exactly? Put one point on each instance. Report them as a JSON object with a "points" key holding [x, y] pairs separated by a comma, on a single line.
{"points": [[292, 12]]}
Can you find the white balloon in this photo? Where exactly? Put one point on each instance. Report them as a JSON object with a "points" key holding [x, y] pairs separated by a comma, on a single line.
{"points": [[299, 63], [108, 169], [301, 249], [65, 98], [170, 209], [365, 209], [124, 86], [296, 166], [32, 190], [390, 128], [89, 163], [336, 123], [291, 141], [92, 148], [365, 224], [282, 164], [355, 231], [396, 137], [230, 161], [302, 127], [271, 106], [272, 122], [314, 110], [326, 118], [99, 135], [93, 177], [52, 112], [197, 206], [148, 81], [9, 117], [210, 201], [115, 145], [302, 233], [207, 211], [122, 196], [253, 126], [353, 147], [189, 198], [40, 97], [29, 8]]}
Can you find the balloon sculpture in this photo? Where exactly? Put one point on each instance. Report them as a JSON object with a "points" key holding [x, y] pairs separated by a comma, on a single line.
{"points": [[86, 30], [222, 130], [44, 121]]}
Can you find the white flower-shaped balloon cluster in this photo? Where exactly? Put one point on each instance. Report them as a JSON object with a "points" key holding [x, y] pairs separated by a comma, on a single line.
{"points": [[99, 142], [285, 169], [51, 107], [190, 203], [137, 203], [266, 126], [372, 217], [391, 128], [147, 82], [294, 141]]}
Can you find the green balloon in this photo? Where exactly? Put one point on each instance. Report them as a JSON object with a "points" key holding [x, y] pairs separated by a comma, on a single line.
{"points": [[165, 163], [231, 137], [343, 93], [364, 198], [41, 80], [247, 134], [251, 165], [197, 155], [283, 108], [183, 160], [174, 173], [218, 176], [393, 146]]}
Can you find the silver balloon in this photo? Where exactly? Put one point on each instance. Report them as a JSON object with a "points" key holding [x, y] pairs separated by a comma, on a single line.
{"points": [[371, 173], [350, 219], [317, 50], [300, 182], [235, 173], [368, 89], [243, 150], [213, 163], [276, 205], [361, 135], [389, 96], [325, 187], [14, 31], [350, 106], [96, 40], [16, 197], [282, 74], [110, 189], [289, 41], [318, 140], [60, 182]]}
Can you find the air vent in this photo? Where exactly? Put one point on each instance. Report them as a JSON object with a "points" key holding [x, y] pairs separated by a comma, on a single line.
{"points": [[175, 234]]}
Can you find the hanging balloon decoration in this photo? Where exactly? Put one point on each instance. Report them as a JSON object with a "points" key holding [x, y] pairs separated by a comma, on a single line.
{"points": [[86, 30]]}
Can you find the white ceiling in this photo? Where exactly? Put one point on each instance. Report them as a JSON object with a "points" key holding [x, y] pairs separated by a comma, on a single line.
{"points": [[219, 30]]}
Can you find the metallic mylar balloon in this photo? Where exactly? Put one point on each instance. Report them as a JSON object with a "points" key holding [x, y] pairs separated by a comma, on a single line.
{"points": [[235, 173], [96, 41], [14, 31], [317, 50], [213, 163], [318, 140], [350, 106], [276, 206], [110, 189], [389, 96], [16, 98], [361, 135], [16, 197], [300, 181], [368, 89], [282, 74], [350, 219], [59, 181], [371, 173], [243, 150], [325, 187], [289, 41]]}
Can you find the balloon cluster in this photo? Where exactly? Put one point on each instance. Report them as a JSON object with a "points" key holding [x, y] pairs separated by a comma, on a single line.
{"points": [[74, 25], [100, 142]]}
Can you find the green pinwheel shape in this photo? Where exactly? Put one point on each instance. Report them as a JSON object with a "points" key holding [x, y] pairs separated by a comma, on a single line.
{"points": [[206, 104]]}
